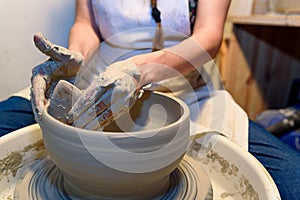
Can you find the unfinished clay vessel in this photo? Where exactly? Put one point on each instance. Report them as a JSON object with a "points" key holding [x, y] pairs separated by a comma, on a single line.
{"points": [[132, 159]]}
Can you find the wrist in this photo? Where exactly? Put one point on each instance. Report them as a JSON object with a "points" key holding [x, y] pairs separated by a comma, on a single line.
{"points": [[190, 52], [146, 65], [157, 66], [76, 49]]}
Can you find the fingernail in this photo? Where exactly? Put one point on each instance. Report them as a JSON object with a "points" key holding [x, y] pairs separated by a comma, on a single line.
{"points": [[36, 39]]}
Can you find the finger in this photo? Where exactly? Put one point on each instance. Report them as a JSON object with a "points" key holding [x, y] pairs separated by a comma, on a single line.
{"points": [[61, 100], [99, 88], [44, 45], [90, 109], [53, 71], [39, 86], [108, 108], [87, 99], [109, 115], [57, 53], [101, 121]]}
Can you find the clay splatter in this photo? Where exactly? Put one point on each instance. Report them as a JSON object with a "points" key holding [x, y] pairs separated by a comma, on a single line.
{"points": [[15, 160], [9, 197], [244, 188]]}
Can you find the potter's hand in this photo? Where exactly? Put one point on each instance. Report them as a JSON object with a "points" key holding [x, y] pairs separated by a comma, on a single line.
{"points": [[62, 64], [108, 97]]}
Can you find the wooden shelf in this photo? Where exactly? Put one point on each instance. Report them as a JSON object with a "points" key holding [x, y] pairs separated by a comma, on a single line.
{"points": [[259, 60], [267, 20]]}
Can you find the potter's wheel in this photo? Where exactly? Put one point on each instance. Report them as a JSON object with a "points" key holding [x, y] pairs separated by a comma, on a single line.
{"points": [[232, 172], [43, 180]]}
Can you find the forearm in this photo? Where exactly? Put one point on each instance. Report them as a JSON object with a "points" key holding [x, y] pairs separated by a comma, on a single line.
{"points": [[83, 38], [179, 59], [195, 51]]}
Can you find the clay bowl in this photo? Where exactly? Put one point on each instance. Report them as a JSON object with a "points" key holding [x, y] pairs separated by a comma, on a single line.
{"points": [[132, 159]]}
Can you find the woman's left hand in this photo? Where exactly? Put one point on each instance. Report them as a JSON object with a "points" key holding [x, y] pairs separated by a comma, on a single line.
{"points": [[107, 98]]}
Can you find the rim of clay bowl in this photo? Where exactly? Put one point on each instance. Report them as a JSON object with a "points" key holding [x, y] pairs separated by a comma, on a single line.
{"points": [[182, 118]]}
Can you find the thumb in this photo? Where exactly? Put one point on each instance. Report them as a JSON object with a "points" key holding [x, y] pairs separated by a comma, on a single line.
{"points": [[57, 53]]}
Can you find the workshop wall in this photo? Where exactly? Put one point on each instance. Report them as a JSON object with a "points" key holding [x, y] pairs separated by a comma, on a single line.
{"points": [[19, 20]]}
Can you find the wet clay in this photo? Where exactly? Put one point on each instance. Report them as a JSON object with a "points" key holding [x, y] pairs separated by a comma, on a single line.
{"points": [[243, 186], [121, 164], [245, 189], [15, 160], [45, 181]]}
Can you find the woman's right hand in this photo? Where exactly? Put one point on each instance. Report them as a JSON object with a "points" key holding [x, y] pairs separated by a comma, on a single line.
{"points": [[62, 64]]}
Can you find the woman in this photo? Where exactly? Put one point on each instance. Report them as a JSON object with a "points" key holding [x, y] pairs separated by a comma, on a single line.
{"points": [[197, 40]]}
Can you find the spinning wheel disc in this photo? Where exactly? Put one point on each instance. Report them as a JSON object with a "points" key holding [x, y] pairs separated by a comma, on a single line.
{"points": [[43, 180]]}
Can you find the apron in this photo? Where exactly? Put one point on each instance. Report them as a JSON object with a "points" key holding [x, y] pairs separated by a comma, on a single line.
{"points": [[127, 29]]}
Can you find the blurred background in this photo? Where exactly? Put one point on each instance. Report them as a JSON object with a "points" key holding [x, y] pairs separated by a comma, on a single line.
{"points": [[19, 20], [259, 61]]}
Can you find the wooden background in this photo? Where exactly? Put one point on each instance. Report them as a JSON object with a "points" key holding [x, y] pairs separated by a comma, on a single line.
{"points": [[259, 62]]}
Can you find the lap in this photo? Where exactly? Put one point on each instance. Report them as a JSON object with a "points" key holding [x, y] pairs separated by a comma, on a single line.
{"points": [[15, 113], [280, 160]]}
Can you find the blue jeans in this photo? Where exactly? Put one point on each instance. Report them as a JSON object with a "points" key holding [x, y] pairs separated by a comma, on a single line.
{"points": [[15, 113], [280, 160]]}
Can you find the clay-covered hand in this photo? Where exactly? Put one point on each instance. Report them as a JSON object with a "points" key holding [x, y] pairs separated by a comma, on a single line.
{"points": [[62, 64], [107, 98]]}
